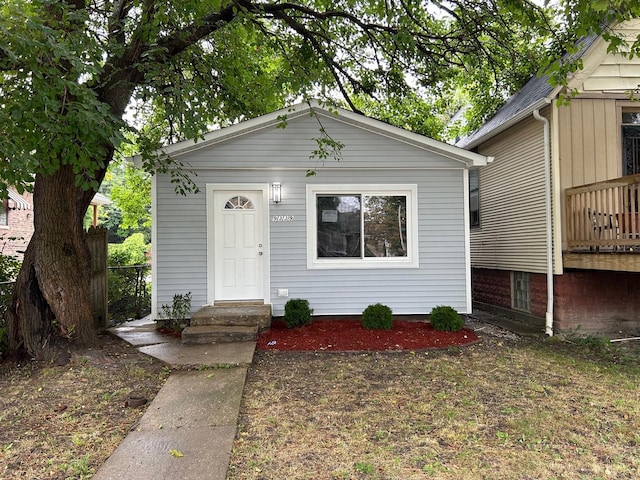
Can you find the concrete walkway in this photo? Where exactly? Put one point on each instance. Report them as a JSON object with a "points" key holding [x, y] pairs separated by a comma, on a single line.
{"points": [[188, 429]]}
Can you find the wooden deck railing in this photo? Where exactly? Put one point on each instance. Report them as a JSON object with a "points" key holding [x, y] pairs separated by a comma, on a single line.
{"points": [[604, 216]]}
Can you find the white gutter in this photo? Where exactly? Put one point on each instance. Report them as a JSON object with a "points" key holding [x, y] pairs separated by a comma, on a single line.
{"points": [[547, 194]]}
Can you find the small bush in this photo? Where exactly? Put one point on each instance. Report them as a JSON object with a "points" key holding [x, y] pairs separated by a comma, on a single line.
{"points": [[175, 315], [129, 288], [297, 313], [9, 268], [446, 319], [132, 251], [377, 317]]}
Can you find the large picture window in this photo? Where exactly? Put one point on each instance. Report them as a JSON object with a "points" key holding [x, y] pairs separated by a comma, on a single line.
{"points": [[362, 227]]}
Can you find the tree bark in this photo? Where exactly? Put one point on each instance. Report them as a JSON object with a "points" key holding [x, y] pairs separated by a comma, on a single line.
{"points": [[51, 307]]}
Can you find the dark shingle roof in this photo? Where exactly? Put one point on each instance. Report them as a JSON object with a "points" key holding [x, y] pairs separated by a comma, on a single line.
{"points": [[525, 101]]}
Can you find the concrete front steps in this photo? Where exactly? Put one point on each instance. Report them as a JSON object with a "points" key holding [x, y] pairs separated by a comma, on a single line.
{"points": [[226, 322]]}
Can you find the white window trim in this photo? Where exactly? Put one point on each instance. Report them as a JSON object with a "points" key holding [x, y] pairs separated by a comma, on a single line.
{"points": [[410, 261], [5, 210]]}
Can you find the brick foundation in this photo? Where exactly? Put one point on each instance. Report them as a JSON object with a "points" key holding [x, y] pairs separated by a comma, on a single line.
{"points": [[584, 301], [493, 287], [597, 302]]}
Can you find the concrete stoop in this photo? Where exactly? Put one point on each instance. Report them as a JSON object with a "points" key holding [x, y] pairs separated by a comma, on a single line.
{"points": [[227, 322]]}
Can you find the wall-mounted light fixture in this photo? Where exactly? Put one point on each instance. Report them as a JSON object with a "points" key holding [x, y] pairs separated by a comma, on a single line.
{"points": [[276, 192]]}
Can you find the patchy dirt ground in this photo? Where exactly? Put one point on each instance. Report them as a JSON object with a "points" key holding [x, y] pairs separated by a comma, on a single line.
{"points": [[503, 408], [506, 408], [62, 422]]}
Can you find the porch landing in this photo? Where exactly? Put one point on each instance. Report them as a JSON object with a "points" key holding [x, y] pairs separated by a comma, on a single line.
{"points": [[226, 322]]}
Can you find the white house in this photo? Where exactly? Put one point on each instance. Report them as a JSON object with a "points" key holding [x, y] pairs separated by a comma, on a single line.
{"points": [[387, 222]]}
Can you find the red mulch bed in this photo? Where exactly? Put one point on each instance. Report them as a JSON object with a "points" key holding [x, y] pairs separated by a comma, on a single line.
{"points": [[349, 335]]}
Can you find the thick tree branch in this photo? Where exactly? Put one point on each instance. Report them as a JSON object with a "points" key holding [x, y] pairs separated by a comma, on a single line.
{"points": [[115, 25]]}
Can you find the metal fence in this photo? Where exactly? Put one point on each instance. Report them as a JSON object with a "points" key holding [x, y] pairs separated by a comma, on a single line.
{"points": [[5, 298], [129, 292]]}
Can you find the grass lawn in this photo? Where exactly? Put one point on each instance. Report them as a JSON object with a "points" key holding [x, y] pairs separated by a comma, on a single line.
{"points": [[502, 409], [505, 408]]}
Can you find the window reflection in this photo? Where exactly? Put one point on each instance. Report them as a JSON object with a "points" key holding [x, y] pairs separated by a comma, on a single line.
{"points": [[343, 221]]}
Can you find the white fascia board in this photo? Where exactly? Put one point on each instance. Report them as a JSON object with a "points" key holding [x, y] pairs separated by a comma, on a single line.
{"points": [[470, 159], [235, 130]]}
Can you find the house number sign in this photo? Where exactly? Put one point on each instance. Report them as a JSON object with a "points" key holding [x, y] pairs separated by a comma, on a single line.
{"points": [[282, 218]]}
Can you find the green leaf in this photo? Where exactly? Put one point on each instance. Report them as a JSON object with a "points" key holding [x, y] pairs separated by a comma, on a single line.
{"points": [[600, 5]]}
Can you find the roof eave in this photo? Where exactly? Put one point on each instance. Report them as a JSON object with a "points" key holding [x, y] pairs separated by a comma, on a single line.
{"points": [[470, 159], [226, 133], [524, 113]]}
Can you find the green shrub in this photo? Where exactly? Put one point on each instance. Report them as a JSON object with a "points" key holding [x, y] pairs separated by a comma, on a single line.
{"points": [[297, 313], [174, 316], [446, 319], [377, 317], [130, 252], [129, 289], [9, 268]]}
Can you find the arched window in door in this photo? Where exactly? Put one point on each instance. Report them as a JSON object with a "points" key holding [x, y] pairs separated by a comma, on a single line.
{"points": [[239, 202]]}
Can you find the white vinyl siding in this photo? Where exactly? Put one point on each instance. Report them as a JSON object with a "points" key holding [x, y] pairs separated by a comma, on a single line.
{"points": [[512, 233], [282, 155]]}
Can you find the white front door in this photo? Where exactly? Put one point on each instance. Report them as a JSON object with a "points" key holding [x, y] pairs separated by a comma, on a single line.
{"points": [[238, 245]]}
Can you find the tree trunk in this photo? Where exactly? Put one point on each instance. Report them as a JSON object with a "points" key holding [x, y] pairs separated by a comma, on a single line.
{"points": [[50, 307]]}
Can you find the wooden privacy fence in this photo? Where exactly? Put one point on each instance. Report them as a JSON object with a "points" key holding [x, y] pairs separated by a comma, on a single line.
{"points": [[97, 242], [604, 216]]}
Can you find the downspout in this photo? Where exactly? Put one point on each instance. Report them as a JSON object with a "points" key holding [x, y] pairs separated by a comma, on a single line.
{"points": [[547, 193]]}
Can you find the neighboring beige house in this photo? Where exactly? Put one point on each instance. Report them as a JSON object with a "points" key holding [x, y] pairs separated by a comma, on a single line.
{"points": [[555, 225], [16, 221]]}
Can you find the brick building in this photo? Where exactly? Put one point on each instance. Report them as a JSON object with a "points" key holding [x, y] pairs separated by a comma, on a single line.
{"points": [[16, 223]]}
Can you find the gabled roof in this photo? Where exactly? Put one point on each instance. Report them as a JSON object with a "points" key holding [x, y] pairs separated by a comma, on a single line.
{"points": [[536, 93], [470, 159]]}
